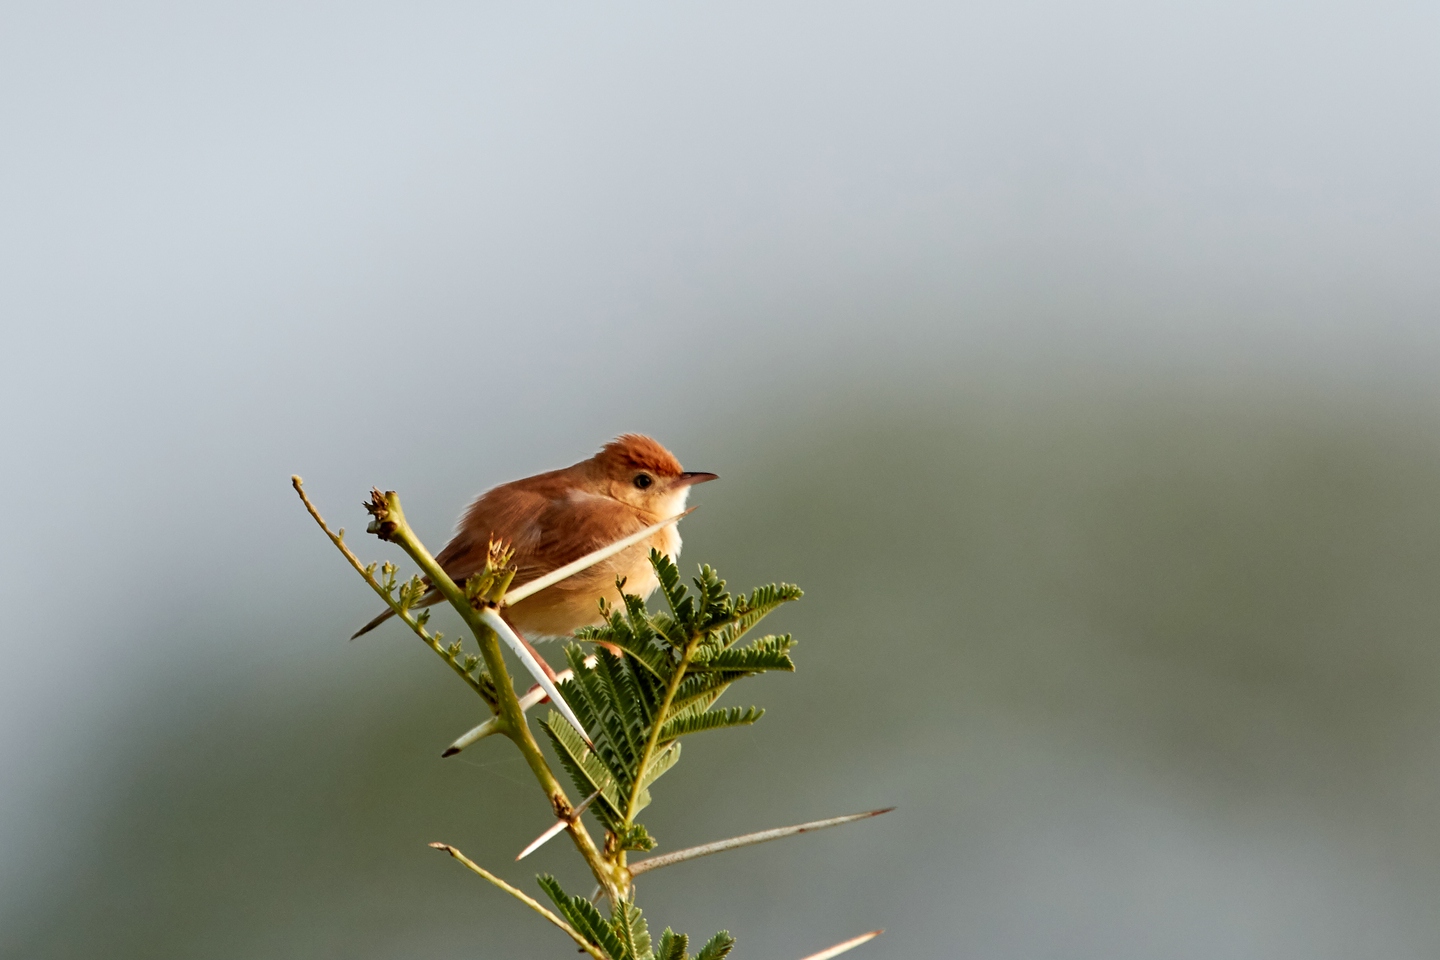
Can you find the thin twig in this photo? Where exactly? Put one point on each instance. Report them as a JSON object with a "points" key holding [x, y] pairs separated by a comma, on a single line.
{"points": [[734, 843], [840, 948], [402, 612], [529, 901]]}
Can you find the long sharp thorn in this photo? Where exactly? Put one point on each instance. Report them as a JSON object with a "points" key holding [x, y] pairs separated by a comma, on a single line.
{"points": [[543, 839], [587, 561], [532, 696], [557, 826], [584, 805], [840, 948], [734, 843], [495, 622], [484, 730]]}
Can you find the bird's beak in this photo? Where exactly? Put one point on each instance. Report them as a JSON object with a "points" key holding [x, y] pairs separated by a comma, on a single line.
{"points": [[689, 479]]}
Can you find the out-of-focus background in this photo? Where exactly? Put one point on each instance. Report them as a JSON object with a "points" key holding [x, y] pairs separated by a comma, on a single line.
{"points": [[1078, 360]]}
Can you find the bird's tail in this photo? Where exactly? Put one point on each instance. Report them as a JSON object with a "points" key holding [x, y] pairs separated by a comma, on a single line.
{"points": [[373, 623], [429, 599]]}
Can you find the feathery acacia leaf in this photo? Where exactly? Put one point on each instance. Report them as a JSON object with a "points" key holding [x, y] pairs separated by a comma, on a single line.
{"points": [[585, 768], [751, 610], [682, 607], [718, 948], [630, 930], [663, 761], [704, 688], [585, 918], [625, 936], [734, 717], [767, 653], [672, 946], [676, 663]]}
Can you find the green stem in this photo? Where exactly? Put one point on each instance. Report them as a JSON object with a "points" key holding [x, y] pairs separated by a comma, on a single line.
{"points": [[390, 525], [654, 740]]}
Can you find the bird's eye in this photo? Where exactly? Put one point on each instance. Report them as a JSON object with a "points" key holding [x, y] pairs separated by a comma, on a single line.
{"points": [[642, 480]]}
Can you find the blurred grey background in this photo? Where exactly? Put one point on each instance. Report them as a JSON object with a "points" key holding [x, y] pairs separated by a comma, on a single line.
{"points": [[1078, 360]]}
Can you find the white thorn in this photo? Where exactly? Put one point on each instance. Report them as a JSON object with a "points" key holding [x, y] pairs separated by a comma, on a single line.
{"points": [[543, 839], [840, 948], [748, 839], [532, 696], [495, 622], [479, 733], [557, 826]]}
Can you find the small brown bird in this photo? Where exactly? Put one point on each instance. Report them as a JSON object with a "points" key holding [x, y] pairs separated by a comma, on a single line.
{"points": [[554, 518]]}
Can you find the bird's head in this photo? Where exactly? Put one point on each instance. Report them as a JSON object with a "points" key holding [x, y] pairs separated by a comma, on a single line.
{"points": [[637, 470]]}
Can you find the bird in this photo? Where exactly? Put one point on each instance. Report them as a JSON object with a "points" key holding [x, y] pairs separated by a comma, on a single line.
{"points": [[554, 518]]}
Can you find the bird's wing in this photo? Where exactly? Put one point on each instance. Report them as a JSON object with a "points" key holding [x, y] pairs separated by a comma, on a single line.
{"points": [[569, 528], [507, 513]]}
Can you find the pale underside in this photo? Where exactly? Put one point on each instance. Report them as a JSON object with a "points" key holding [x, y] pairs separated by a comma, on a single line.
{"points": [[572, 603]]}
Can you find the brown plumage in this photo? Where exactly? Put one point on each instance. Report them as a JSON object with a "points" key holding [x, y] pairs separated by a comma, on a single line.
{"points": [[554, 518]]}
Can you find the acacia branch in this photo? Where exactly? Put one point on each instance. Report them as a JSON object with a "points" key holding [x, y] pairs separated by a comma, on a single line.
{"points": [[390, 525]]}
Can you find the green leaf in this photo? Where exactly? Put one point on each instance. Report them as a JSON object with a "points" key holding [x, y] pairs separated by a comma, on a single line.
{"points": [[695, 723], [767, 653], [644, 645], [663, 761], [621, 718], [672, 946], [586, 920], [618, 698], [682, 605], [716, 606], [702, 689], [584, 767], [751, 610], [630, 930], [635, 837], [718, 947], [606, 716]]}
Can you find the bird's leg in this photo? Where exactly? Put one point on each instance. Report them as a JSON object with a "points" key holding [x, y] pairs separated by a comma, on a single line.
{"points": [[544, 664]]}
